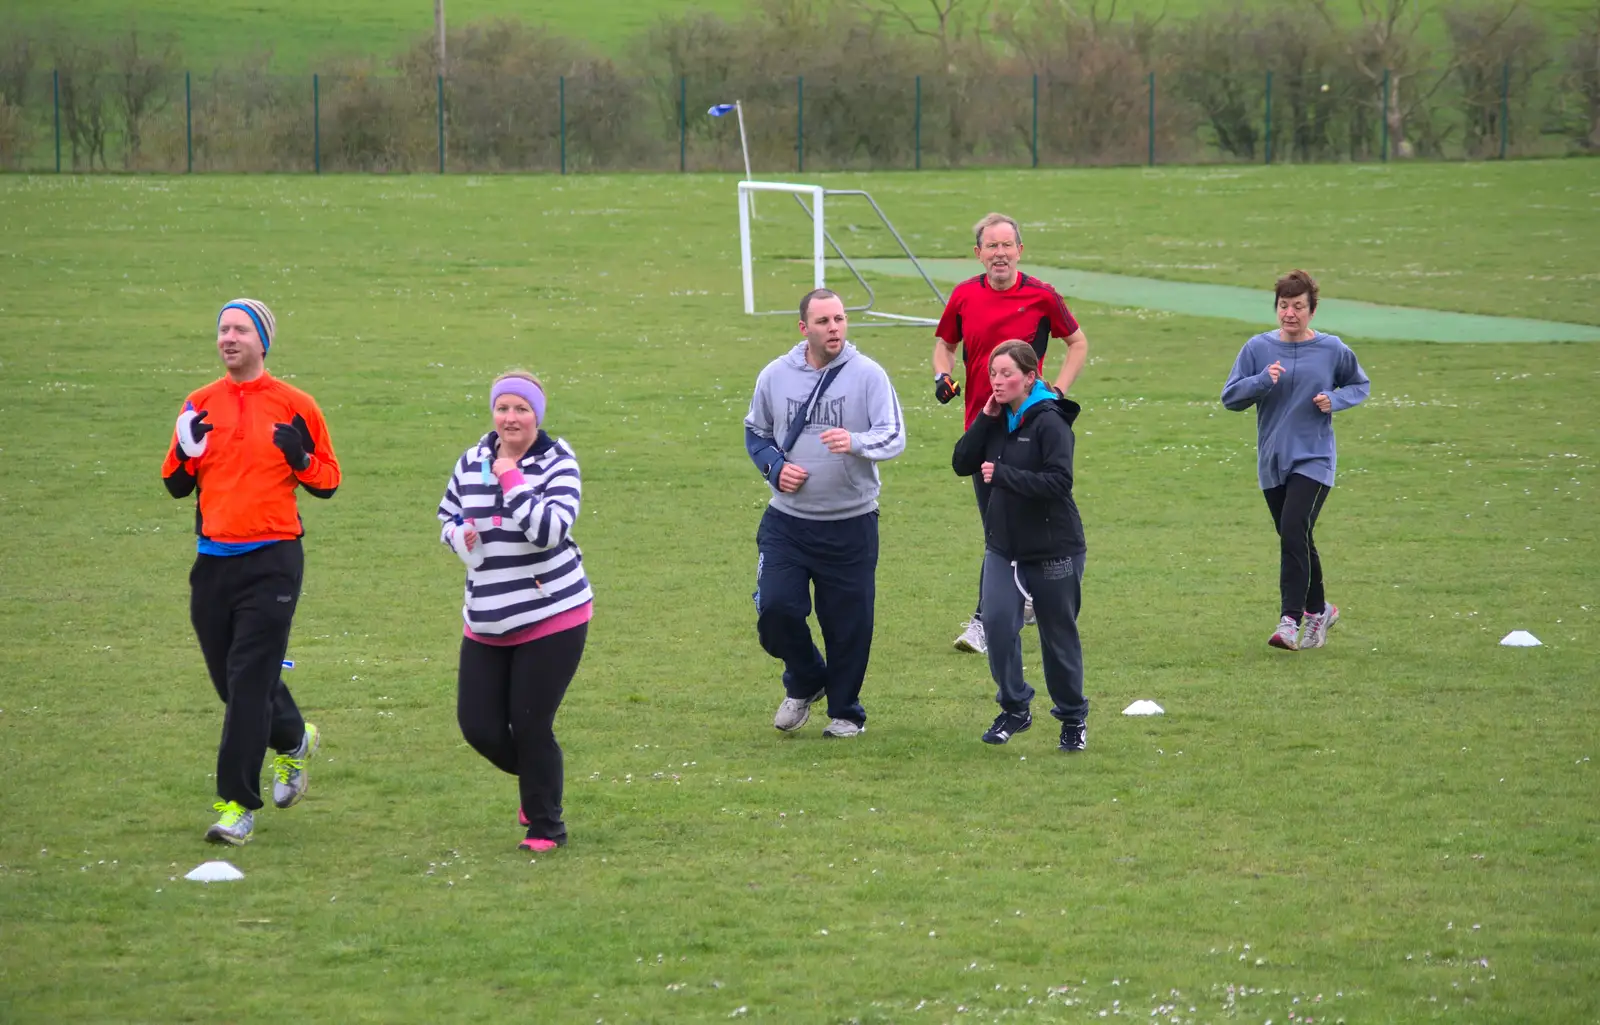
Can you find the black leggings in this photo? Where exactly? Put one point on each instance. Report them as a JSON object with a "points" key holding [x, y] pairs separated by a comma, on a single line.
{"points": [[506, 702], [1295, 505]]}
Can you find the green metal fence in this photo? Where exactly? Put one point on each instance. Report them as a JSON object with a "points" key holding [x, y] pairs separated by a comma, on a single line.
{"points": [[477, 122]]}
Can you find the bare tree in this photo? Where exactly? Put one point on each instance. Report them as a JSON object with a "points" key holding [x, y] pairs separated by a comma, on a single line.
{"points": [[949, 23], [1580, 93], [1496, 47], [17, 56], [83, 99], [143, 78], [1385, 44]]}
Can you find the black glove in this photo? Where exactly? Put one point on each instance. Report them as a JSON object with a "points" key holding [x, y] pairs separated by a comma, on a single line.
{"points": [[294, 441], [945, 388], [199, 428], [192, 430]]}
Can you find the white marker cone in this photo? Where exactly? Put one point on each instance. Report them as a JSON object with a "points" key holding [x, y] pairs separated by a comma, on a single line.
{"points": [[1144, 707], [215, 872], [1520, 639]]}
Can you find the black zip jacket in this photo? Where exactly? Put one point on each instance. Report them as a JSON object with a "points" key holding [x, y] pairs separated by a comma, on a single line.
{"points": [[1031, 516]]}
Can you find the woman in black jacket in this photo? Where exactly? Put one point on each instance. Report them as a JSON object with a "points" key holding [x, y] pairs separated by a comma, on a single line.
{"points": [[1022, 444]]}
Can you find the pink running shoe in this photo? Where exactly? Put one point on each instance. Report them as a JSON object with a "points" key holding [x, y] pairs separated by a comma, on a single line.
{"points": [[538, 845], [522, 818]]}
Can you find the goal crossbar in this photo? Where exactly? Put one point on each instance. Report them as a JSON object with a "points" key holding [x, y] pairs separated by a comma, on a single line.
{"points": [[821, 242]]}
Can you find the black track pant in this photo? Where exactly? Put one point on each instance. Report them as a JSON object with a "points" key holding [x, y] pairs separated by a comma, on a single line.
{"points": [[242, 607], [506, 702], [1295, 505]]}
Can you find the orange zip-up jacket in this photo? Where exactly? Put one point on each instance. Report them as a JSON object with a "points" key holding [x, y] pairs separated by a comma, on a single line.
{"points": [[246, 485]]}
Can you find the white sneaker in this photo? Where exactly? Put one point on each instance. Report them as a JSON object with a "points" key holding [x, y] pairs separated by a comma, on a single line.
{"points": [[843, 728], [972, 638], [1028, 618], [289, 779], [1286, 636], [1317, 626], [793, 712]]}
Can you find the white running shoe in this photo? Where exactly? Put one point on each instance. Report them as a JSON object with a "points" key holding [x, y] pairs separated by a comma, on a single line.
{"points": [[843, 728], [289, 779], [1317, 626], [793, 712], [1287, 635], [972, 638], [1028, 618]]}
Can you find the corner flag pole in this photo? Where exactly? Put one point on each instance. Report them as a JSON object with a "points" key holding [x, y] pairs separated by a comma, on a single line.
{"points": [[737, 107], [743, 144]]}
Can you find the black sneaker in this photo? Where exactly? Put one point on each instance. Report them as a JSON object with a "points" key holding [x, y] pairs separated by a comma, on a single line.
{"points": [[1074, 735], [1007, 725]]}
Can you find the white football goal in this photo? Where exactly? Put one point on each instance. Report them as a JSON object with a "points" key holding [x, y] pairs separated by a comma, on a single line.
{"points": [[815, 201]]}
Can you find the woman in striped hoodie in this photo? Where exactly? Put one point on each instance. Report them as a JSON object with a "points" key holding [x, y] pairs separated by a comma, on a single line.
{"points": [[508, 513]]}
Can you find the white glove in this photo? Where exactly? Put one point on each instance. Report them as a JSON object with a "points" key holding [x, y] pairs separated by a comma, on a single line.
{"points": [[192, 431], [473, 556]]}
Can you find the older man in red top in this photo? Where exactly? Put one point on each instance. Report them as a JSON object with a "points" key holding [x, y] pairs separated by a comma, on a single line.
{"points": [[997, 306]]}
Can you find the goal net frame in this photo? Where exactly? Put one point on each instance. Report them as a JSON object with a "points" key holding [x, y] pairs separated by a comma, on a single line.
{"points": [[821, 242]]}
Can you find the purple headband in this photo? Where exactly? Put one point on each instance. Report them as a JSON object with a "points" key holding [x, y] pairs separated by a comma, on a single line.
{"points": [[519, 386]]}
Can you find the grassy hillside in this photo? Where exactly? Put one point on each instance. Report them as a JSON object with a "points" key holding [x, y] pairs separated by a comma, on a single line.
{"points": [[303, 34]]}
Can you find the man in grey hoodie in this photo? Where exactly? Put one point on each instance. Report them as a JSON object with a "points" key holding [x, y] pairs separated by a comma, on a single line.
{"points": [[822, 418]]}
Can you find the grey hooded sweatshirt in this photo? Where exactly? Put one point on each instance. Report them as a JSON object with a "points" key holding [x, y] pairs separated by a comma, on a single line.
{"points": [[861, 400]]}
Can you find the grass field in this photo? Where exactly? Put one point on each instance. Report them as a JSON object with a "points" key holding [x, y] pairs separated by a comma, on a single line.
{"points": [[306, 34], [1399, 827]]}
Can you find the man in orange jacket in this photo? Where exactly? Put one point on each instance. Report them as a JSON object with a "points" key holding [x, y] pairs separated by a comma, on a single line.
{"points": [[245, 442]]}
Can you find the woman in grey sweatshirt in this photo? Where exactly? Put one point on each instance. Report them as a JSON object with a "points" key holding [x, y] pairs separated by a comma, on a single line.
{"points": [[1297, 378]]}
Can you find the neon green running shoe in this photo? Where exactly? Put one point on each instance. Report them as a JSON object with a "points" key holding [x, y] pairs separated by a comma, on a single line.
{"points": [[289, 779], [234, 827]]}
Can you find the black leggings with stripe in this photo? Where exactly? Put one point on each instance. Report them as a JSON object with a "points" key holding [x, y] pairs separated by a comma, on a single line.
{"points": [[1295, 505]]}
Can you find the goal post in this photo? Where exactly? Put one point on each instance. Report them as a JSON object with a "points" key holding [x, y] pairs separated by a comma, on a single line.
{"points": [[821, 242], [819, 254]]}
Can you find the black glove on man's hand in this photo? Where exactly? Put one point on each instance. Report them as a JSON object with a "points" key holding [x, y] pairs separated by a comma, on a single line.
{"points": [[294, 441], [945, 388], [192, 430]]}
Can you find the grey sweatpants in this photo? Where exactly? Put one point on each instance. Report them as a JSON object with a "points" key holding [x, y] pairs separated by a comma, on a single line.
{"points": [[1056, 587]]}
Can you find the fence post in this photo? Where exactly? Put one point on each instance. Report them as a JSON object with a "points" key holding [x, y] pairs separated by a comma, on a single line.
{"points": [[316, 123], [441, 124], [1036, 120], [683, 123], [800, 122], [1152, 129], [55, 77], [188, 121], [1383, 149], [562, 85], [1505, 106], [1268, 132], [918, 123]]}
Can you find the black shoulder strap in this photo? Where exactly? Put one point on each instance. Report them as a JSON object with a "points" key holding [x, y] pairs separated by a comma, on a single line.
{"points": [[797, 426]]}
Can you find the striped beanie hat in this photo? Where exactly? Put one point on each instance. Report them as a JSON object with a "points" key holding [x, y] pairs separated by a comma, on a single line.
{"points": [[266, 324]]}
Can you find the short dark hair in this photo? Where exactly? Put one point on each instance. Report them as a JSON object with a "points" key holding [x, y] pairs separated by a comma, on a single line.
{"points": [[815, 293], [1294, 284], [1021, 354]]}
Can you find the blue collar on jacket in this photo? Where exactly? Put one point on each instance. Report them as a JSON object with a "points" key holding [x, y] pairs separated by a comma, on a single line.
{"points": [[1040, 393]]}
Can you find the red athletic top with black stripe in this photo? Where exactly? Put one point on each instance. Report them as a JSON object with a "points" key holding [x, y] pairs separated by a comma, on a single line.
{"points": [[247, 488], [979, 318]]}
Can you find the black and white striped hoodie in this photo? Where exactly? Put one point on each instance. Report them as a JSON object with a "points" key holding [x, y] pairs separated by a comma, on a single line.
{"points": [[532, 569]]}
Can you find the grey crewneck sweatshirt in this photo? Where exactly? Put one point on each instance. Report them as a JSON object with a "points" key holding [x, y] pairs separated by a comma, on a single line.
{"points": [[1292, 434]]}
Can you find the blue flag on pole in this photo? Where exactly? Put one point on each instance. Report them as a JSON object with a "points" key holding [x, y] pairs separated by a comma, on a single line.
{"points": [[721, 109]]}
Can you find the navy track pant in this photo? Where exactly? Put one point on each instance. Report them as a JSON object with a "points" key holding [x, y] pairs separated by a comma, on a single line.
{"points": [[839, 559]]}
